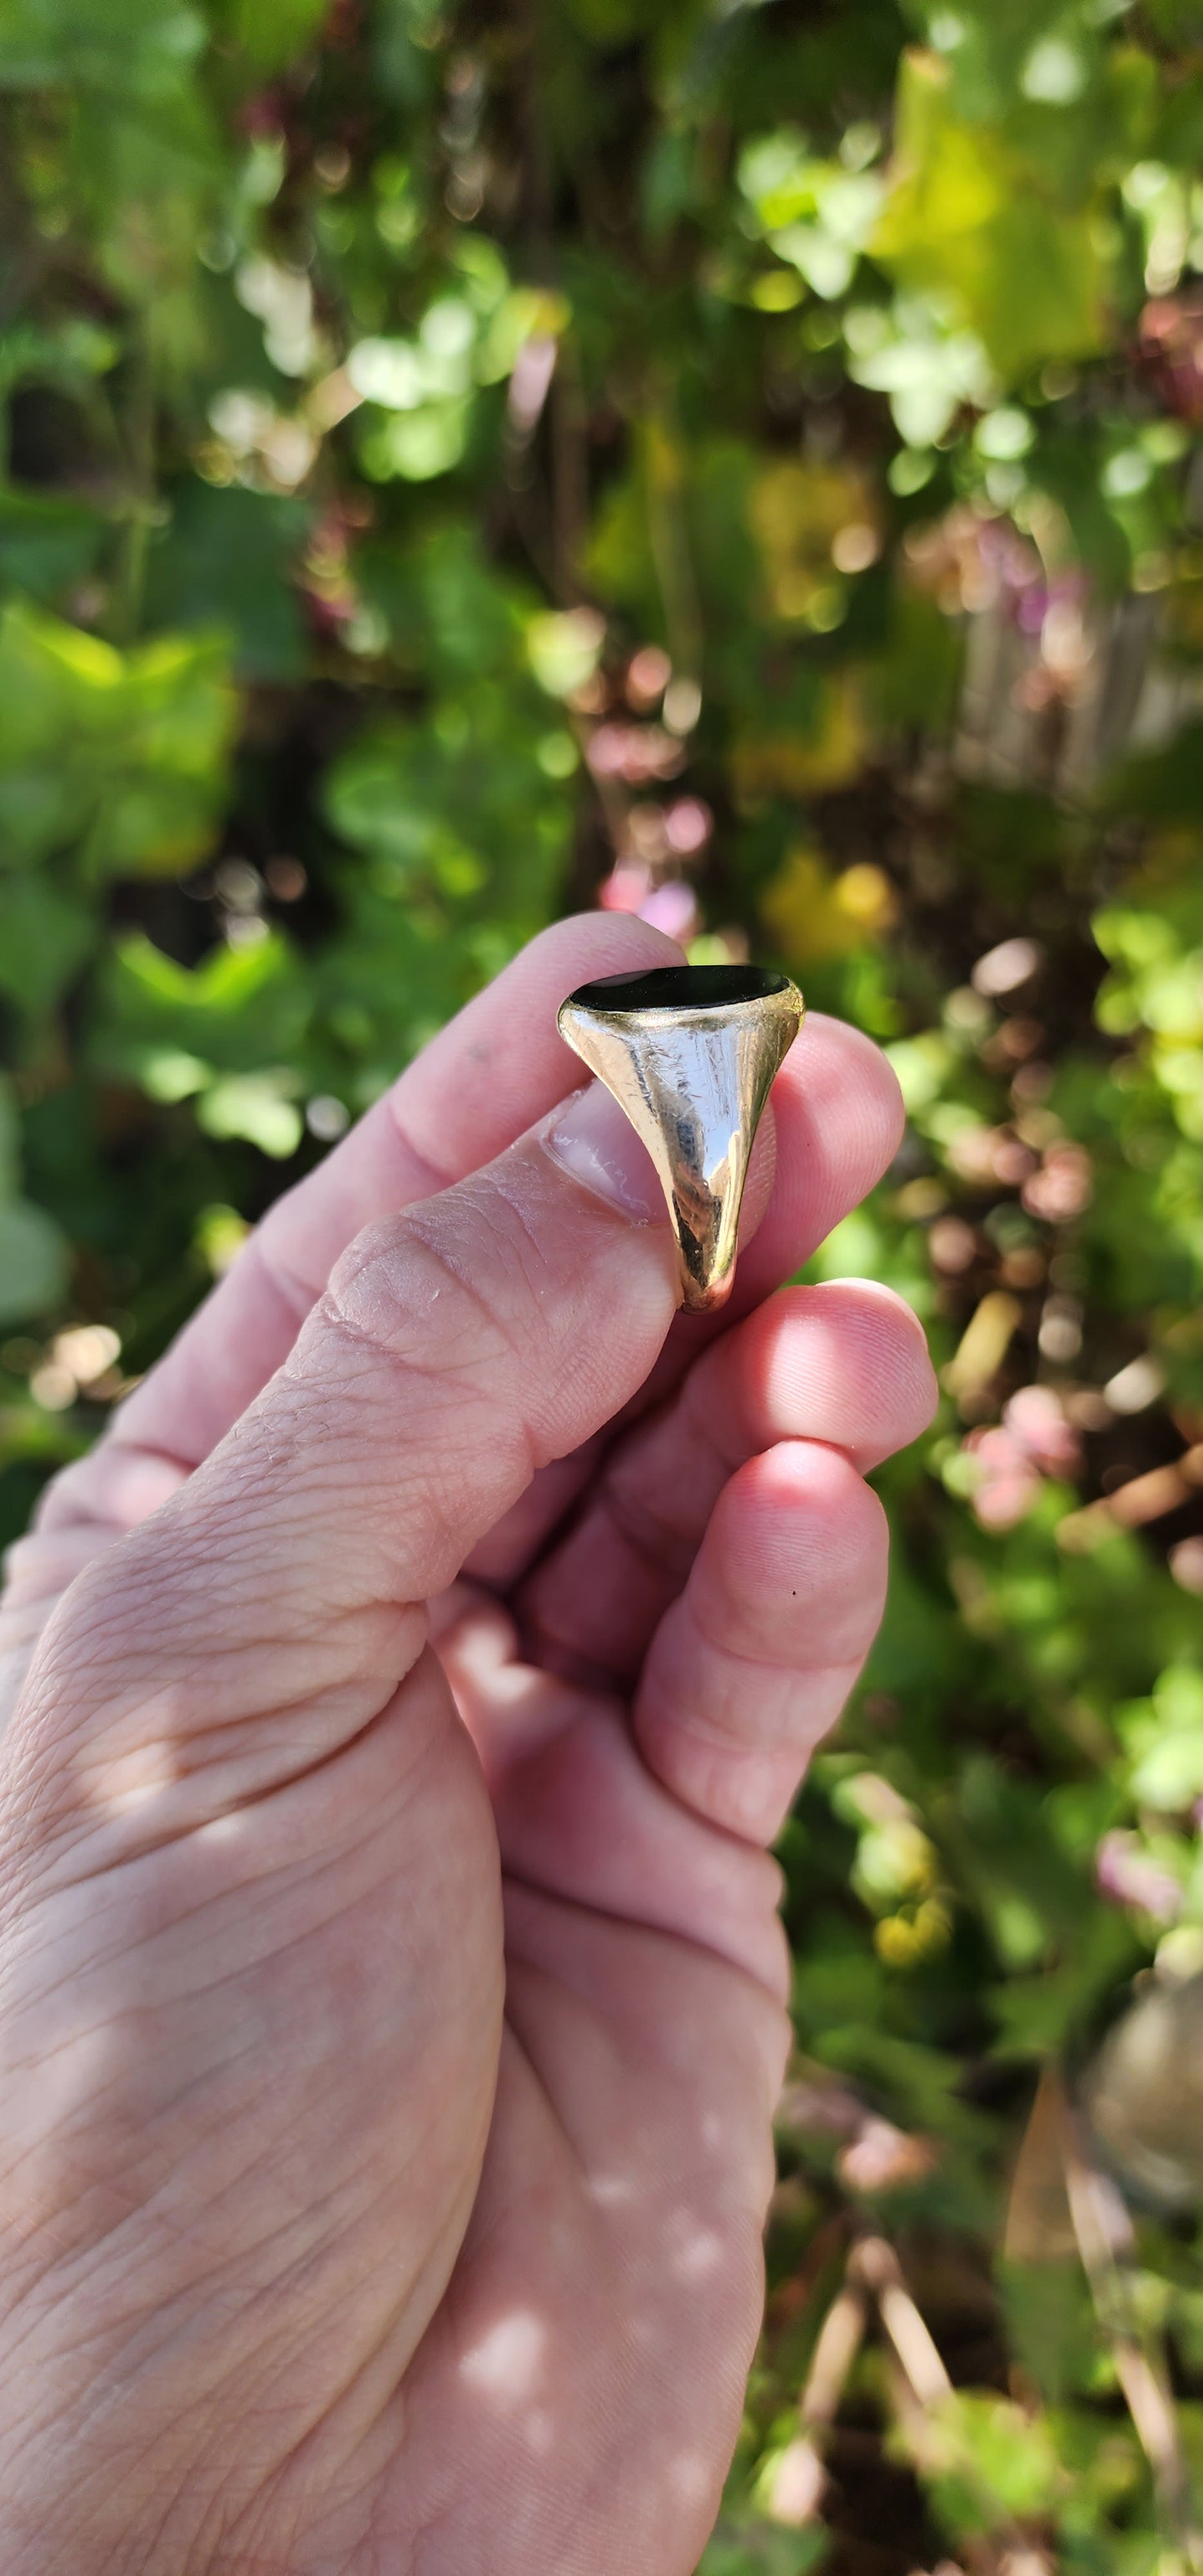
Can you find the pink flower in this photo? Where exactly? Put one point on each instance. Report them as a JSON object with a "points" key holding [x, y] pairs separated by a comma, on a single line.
{"points": [[1063, 1188], [1007, 1482], [671, 908], [1124, 1871], [688, 825], [626, 890], [884, 2158], [983, 1154], [634, 753], [1035, 1419]]}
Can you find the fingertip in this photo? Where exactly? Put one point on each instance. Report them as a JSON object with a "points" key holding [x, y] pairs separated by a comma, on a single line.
{"points": [[897, 1358], [754, 1661], [917, 1388], [817, 1478], [577, 950], [838, 1074], [602, 934], [501, 1064], [838, 1119], [799, 1503]]}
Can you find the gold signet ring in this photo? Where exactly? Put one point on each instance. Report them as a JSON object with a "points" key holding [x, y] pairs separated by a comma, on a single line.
{"points": [[690, 1053]]}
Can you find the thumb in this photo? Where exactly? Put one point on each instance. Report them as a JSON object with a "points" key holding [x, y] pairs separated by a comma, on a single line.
{"points": [[270, 1610]]}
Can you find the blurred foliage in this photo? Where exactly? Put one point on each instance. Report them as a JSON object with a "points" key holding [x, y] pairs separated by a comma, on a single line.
{"points": [[739, 465]]}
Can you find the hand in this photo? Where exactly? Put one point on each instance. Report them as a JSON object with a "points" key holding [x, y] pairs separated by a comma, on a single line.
{"points": [[389, 2030]]}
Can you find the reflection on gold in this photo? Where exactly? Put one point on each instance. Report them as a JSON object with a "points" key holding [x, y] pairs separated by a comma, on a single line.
{"points": [[690, 1054]]}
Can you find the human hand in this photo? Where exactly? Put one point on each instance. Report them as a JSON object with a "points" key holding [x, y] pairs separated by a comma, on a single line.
{"points": [[389, 2031]]}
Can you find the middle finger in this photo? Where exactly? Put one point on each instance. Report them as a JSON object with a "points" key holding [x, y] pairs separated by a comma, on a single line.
{"points": [[845, 1364]]}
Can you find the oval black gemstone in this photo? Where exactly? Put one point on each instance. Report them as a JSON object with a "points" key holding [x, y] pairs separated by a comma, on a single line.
{"points": [[680, 988]]}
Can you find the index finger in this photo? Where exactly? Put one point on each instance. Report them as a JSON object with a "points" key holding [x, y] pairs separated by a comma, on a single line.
{"points": [[496, 1069]]}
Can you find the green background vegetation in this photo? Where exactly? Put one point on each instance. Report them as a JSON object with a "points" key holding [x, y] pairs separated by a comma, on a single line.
{"points": [[741, 459]]}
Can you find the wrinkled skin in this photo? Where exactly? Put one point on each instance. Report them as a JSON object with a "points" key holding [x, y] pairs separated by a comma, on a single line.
{"points": [[391, 1990]]}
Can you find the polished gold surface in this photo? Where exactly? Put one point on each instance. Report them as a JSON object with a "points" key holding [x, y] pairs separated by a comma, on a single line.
{"points": [[690, 1054]]}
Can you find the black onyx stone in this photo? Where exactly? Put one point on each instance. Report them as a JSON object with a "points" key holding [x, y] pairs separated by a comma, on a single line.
{"points": [[680, 988]]}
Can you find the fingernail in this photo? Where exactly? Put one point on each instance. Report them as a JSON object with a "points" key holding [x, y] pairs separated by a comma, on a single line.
{"points": [[598, 1145]]}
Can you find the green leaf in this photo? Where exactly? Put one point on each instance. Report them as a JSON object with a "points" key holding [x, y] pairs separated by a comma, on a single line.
{"points": [[759, 2549], [269, 38], [45, 936], [121, 757], [257, 1106], [970, 218], [35, 1256], [225, 561], [143, 46], [237, 1009], [996, 2462], [34, 1261], [47, 543], [459, 805]]}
